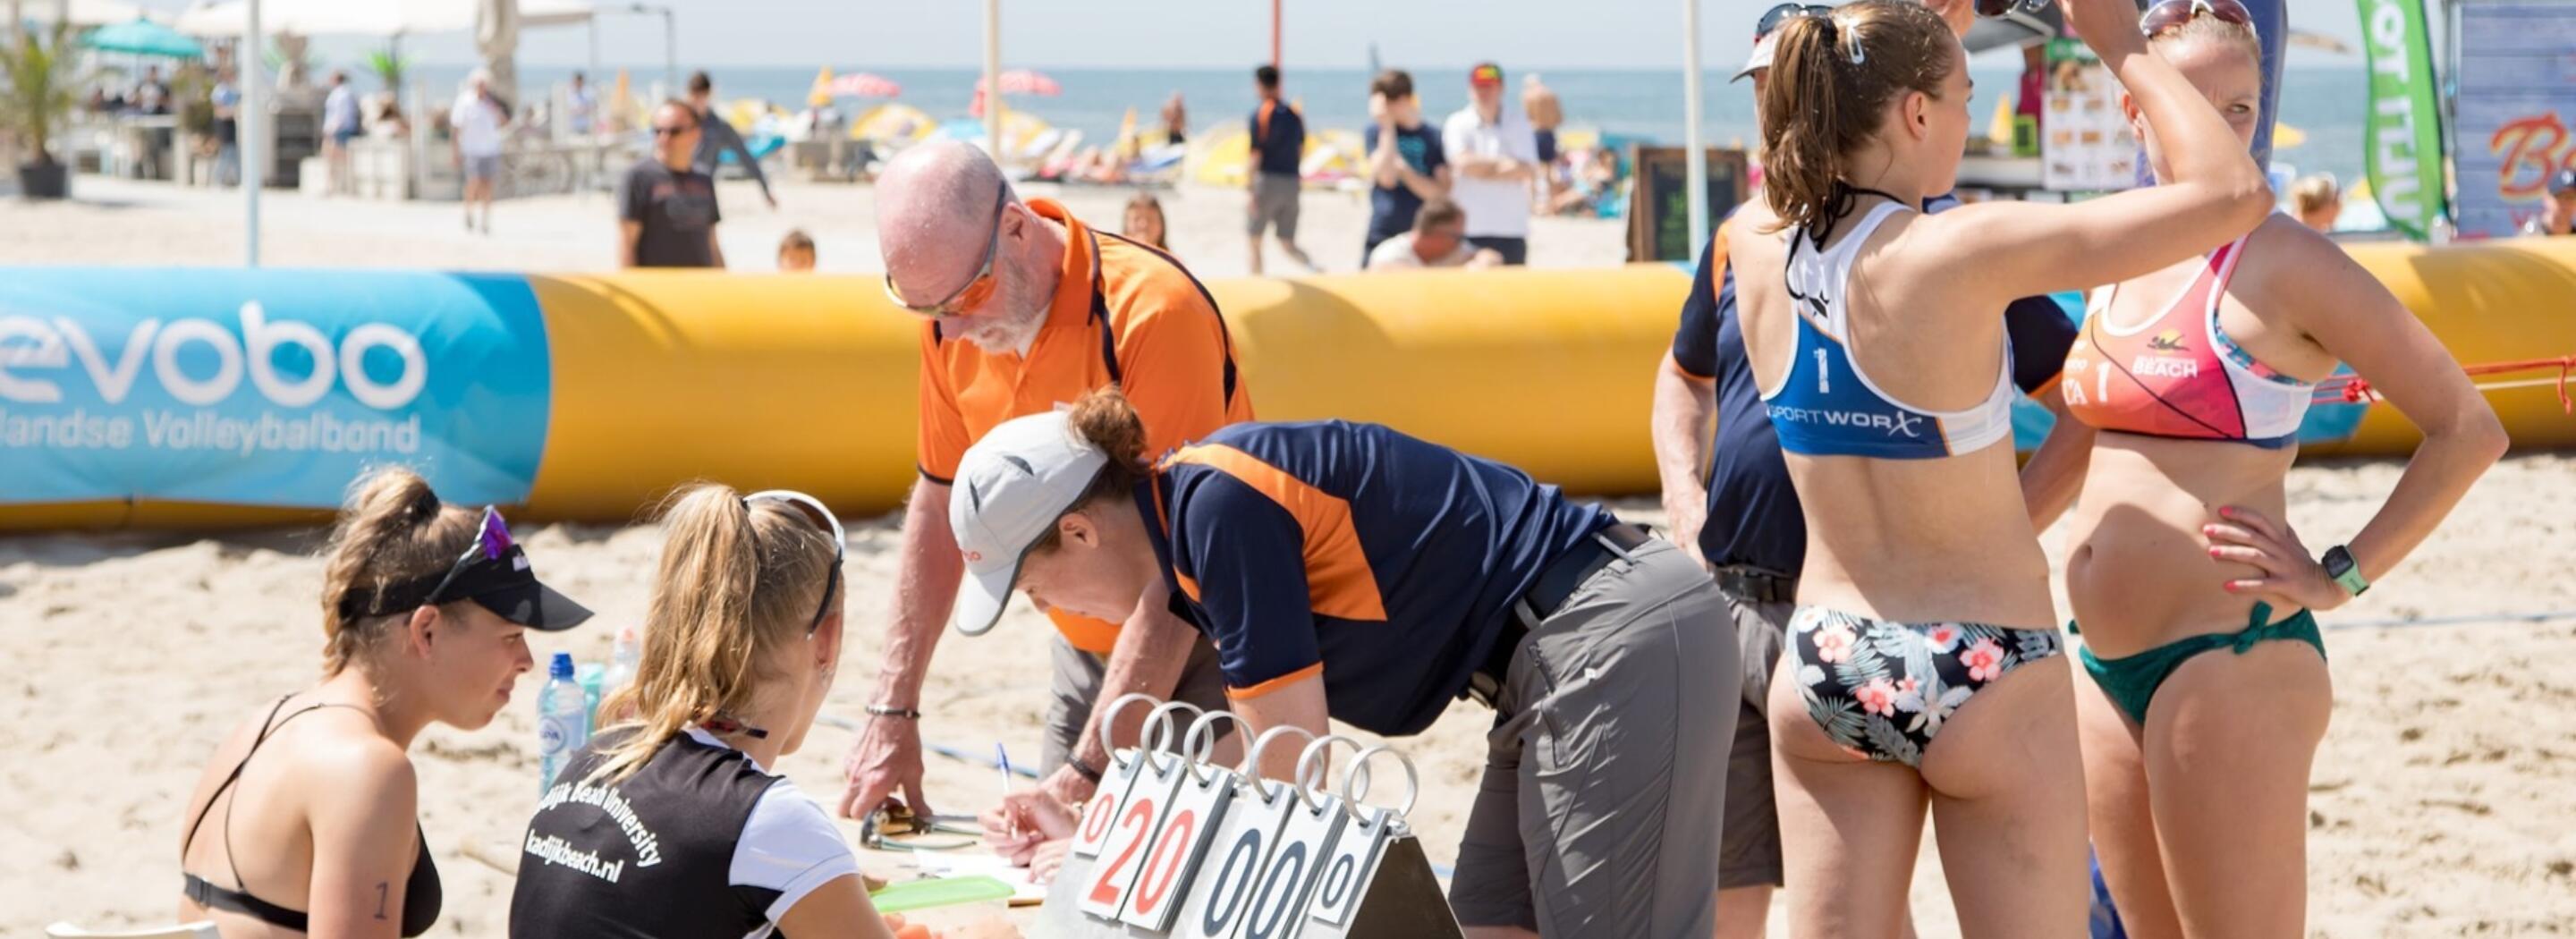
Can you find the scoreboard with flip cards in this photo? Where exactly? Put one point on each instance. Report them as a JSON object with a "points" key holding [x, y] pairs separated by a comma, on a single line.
{"points": [[1174, 846]]}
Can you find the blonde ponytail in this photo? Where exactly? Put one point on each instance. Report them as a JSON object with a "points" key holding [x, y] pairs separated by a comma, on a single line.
{"points": [[737, 581]]}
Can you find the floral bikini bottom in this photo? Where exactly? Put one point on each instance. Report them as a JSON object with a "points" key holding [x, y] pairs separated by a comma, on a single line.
{"points": [[1882, 689]]}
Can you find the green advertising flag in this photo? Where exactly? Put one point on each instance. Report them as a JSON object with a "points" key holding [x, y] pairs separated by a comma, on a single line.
{"points": [[2403, 143]]}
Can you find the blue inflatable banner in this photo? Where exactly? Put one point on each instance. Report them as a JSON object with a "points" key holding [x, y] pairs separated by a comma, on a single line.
{"points": [[266, 388]]}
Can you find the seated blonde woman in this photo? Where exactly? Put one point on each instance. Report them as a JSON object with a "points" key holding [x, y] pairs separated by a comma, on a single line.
{"points": [[674, 821]]}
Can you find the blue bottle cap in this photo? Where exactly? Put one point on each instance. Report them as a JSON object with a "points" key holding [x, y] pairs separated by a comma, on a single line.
{"points": [[561, 667]]}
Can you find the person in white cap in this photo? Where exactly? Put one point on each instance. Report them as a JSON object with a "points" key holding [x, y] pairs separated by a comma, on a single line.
{"points": [[1351, 573]]}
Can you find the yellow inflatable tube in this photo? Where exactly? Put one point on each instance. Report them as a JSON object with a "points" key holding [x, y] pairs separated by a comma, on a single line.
{"points": [[808, 382]]}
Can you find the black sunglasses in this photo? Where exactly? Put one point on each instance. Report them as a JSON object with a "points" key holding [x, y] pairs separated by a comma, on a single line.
{"points": [[1772, 18], [660, 131]]}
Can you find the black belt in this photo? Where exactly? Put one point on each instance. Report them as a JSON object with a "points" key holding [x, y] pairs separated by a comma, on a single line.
{"points": [[1757, 584], [1555, 584]]}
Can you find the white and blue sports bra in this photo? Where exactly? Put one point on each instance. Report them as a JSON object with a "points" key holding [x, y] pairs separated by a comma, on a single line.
{"points": [[1826, 406]]}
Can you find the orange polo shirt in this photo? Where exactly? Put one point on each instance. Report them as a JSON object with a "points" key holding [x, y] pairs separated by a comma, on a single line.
{"points": [[1149, 320]]}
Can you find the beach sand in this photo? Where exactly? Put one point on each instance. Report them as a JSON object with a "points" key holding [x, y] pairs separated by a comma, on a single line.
{"points": [[2440, 802]]}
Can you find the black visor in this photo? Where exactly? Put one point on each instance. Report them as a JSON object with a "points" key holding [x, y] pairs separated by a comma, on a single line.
{"points": [[493, 573]]}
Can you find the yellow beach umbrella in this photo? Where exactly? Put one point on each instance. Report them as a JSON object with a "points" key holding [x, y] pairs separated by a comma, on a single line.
{"points": [[822, 93], [893, 123], [621, 103], [2286, 137]]}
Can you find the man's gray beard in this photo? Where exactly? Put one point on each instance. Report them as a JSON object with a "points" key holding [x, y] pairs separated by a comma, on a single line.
{"points": [[1005, 336]]}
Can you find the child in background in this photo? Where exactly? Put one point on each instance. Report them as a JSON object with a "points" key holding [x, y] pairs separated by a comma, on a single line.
{"points": [[1144, 223], [796, 252]]}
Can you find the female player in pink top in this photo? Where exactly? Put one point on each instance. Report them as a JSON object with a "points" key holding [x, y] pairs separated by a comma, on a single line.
{"points": [[2209, 690]]}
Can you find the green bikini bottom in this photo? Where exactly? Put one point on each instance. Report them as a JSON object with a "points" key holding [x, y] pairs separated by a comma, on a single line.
{"points": [[2132, 680]]}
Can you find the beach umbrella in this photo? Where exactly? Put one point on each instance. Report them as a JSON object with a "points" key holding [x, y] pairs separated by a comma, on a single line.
{"points": [[2286, 137], [863, 85], [1020, 81], [894, 124], [143, 37], [821, 93]]}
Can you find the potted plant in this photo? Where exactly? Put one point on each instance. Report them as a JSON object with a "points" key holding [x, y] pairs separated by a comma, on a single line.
{"points": [[389, 66], [38, 78]]}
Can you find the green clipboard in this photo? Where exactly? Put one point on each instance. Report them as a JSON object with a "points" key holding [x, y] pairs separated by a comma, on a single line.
{"points": [[911, 895]]}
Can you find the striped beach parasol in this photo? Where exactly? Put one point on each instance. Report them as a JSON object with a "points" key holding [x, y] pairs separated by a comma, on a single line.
{"points": [[865, 85]]}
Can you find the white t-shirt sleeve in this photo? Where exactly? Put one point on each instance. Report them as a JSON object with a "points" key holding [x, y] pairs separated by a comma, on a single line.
{"points": [[789, 846]]}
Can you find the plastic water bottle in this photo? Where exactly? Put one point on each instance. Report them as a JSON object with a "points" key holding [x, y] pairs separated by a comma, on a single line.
{"points": [[563, 722], [594, 683], [623, 659]]}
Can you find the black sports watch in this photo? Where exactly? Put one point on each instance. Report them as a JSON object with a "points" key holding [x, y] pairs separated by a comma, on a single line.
{"points": [[2345, 571]]}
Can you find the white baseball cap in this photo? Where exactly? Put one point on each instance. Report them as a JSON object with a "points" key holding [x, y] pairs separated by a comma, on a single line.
{"points": [[1761, 58], [1011, 488]]}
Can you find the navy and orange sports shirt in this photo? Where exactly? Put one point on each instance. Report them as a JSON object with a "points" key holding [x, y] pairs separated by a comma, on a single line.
{"points": [[1122, 313], [1384, 563]]}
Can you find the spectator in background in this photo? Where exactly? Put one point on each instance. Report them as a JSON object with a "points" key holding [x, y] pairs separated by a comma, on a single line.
{"points": [[1497, 158], [1406, 161], [1144, 222], [796, 251], [715, 137], [479, 121], [2317, 201], [2028, 102], [341, 121], [1539, 103], [226, 98], [1278, 146], [151, 95], [1438, 239], [1175, 120], [666, 208], [581, 106], [2558, 212]]}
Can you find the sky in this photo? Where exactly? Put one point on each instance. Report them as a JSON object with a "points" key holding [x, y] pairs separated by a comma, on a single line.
{"points": [[1158, 34]]}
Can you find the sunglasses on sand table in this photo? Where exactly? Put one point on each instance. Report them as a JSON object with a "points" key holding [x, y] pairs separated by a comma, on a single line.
{"points": [[2172, 13], [977, 290], [820, 516]]}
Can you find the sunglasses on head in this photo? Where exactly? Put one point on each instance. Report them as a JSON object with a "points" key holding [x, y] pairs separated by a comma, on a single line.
{"points": [[2001, 7], [1772, 18], [491, 544], [492, 555], [977, 290], [820, 516], [2172, 13]]}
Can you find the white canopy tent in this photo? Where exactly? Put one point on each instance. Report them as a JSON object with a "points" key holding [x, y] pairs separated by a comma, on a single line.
{"points": [[255, 19], [368, 17], [89, 12]]}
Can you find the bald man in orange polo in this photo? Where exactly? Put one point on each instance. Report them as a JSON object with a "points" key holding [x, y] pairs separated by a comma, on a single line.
{"points": [[1025, 308]]}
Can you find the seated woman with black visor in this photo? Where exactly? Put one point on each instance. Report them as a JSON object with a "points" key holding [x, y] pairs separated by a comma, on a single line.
{"points": [[306, 819]]}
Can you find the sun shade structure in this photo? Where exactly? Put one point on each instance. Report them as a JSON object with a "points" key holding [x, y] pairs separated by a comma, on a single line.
{"points": [[143, 37]]}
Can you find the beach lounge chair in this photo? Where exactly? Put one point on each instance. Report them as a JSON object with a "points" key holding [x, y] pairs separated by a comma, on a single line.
{"points": [[197, 930]]}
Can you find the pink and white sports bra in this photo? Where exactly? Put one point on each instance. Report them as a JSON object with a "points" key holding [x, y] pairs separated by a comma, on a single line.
{"points": [[2173, 377]]}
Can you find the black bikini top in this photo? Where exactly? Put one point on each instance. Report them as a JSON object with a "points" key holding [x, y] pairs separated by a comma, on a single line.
{"points": [[421, 892]]}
